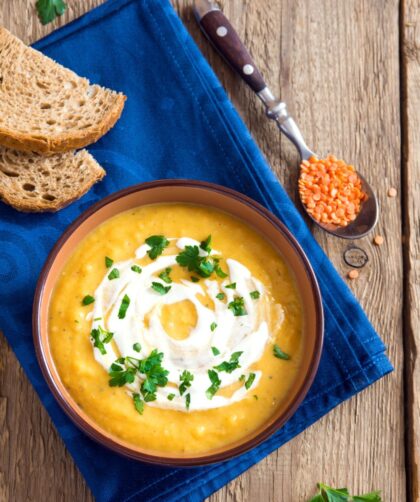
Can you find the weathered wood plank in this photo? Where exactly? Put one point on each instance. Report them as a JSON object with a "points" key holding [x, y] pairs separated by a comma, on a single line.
{"points": [[410, 38], [336, 65]]}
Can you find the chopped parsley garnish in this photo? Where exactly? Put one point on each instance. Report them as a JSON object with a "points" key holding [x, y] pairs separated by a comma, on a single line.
{"points": [[215, 384], [87, 300], [136, 268], [213, 326], [171, 397], [231, 286], [108, 262], [237, 306], [249, 381], [98, 319], [190, 258], [123, 371], [123, 307], [255, 397], [165, 275], [254, 295], [187, 401], [242, 378], [138, 403], [218, 270], [160, 288], [157, 244], [194, 279], [156, 375], [100, 338], [206, 244], [215, 351], [230, 365], [327, 493], [279, 353], [220, 296], [137, 347], [114, 274], [185, 378]]}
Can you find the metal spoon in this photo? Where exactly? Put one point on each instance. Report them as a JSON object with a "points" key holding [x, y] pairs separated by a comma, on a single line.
{"points": [[223, 36]]}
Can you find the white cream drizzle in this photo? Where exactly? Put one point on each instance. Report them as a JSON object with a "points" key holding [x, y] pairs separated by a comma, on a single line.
{"points": [[248, 333]]}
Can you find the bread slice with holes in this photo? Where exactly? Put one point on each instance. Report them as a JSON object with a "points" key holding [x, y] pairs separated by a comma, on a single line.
{"points": [[32, 182], [47, 108]]}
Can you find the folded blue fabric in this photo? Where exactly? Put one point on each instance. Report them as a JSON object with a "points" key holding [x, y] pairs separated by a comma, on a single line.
{"points": [[178, 122]]}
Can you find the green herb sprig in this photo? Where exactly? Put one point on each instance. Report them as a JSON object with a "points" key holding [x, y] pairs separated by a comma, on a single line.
{"points": [[279, 353], [157, 245], [101, 337], [328, 494], [185, 378], [48, 10], [230, 365], [215, 384]]}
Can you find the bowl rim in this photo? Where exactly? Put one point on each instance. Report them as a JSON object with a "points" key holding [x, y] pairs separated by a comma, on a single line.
{"points": [[96, 433]]}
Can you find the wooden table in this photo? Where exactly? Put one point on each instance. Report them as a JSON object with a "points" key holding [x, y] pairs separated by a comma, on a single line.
{"points": [[350, 72]]}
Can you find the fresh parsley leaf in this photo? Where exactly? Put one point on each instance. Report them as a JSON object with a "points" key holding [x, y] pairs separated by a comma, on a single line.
{"points": [[138, 403], [215, 384], [328, 494], [165, 275], [218, 270], [137, 347], [185, 378], [87, 300], [206, 244], [171, 397], [230, 365], [157, 244], [279, 353], [100, 337], [242, 378], [122, 372], [160, 288], [191, 259], [213, 326], [254, 295], [108, 262], [220, 296], [215, 351], [237, 306], [249, 381], [48, 10], [136, 268], [187, 401], [231, 286], [123, 307], [194, 279], [114, 274]]}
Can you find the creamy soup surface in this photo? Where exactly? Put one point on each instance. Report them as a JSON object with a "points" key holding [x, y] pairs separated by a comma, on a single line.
{"points": [[176, 328]]}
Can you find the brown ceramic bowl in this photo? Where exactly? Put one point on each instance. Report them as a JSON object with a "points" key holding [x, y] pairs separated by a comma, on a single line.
{"points": [[214, 196]]}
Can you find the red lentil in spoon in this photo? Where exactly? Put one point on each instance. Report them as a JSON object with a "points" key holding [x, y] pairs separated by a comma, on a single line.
{"points": [[331, 190]]}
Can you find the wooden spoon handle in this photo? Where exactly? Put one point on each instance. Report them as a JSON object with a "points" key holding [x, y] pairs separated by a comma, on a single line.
{"points": [[223, 36]]}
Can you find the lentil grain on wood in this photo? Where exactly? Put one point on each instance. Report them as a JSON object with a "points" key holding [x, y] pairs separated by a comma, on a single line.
{"points": [[336, 64]]}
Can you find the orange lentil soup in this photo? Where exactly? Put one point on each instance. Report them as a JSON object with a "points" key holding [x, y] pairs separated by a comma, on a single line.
{"points": [[173, 405]]}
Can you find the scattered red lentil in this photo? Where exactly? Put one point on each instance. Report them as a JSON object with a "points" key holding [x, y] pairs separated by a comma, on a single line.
{"points": [[353, 274], [331, 190], [378, 240], [392, 192]]}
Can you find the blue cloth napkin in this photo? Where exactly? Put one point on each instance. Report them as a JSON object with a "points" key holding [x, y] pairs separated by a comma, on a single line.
{"points": [[178, 122]]}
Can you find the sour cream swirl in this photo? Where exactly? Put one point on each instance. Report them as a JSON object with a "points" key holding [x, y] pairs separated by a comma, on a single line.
{"points": [[142, 324]]}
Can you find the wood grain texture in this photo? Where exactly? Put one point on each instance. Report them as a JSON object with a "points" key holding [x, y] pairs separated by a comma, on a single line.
{"points": [[410, 45], [336, 64]]}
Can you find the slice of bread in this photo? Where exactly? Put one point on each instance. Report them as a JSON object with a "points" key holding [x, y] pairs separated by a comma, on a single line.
{"points": [[47, 108], [35, 183]]}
